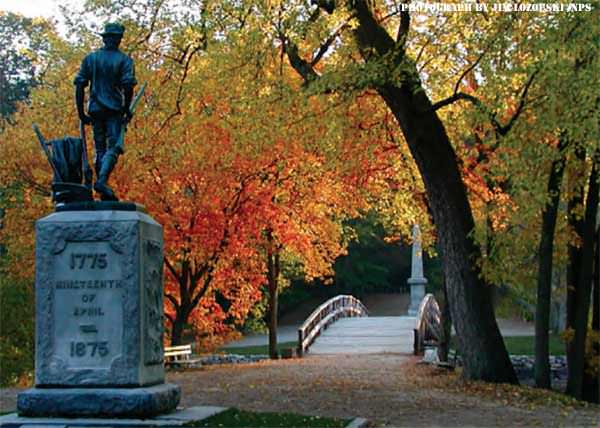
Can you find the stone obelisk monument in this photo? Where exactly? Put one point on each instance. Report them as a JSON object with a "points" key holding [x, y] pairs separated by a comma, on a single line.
{"points": [[416, 281]]}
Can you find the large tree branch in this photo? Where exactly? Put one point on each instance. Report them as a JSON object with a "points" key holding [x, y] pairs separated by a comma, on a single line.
{"points": [[173, 300], [243, 17], [457, 96], [180, 92], [327, 5], [327, 44], [522, 102], [299, 64], [202, 291], [172, 269], [500, 129], [151, 27], [369, 32], [404, 26], [469, 69]]}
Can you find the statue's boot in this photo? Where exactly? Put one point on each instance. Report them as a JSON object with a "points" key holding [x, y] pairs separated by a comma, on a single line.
{"points": [[101, 186]]}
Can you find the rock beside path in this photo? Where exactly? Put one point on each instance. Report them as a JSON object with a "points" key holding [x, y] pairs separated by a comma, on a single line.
{"points": [[524, 367], [231, 359]]}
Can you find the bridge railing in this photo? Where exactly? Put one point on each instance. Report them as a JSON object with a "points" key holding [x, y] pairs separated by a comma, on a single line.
{"points": [[428, 330], [333, 309]]}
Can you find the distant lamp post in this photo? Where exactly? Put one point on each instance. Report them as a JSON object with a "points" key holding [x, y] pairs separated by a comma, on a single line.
{"points": [[416, 281]]}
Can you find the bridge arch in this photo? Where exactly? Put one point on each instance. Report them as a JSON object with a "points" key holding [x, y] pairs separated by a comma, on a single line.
{"points": [[403, 334], [333, 309], [428, 328]]}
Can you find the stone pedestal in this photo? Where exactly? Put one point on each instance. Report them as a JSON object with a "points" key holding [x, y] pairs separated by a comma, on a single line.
{"points": [[416, 281], [417, 292], [99, 315]]}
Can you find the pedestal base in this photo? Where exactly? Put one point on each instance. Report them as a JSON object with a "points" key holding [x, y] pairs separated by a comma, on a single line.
{"points": [[99, 402], [185, 417], [417, 292]]}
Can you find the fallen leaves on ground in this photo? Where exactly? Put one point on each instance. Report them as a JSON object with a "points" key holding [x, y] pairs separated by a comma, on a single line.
{"points": [[424, 375]]}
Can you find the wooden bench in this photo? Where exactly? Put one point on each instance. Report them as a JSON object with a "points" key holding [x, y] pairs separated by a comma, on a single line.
{"points": [[177, 356]]}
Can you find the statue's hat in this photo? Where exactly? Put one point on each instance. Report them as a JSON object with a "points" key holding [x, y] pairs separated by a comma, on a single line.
{"points": [[113, 28]]}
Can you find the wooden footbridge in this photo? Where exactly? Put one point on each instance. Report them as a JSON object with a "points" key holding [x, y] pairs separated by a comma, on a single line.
{"points": [[342, 325]]}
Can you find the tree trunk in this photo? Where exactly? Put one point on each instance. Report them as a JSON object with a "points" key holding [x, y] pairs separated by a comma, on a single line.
{"points": [[484, 354], [544, 278], [273, 297], [469, 296], [177, 331], [574, 251], [596, 292], [272, 279], [583, 288], [591, 380], [446, 327]]}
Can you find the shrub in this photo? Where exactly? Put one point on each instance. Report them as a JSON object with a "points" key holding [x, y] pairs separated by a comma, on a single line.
{"points": [[16, 329]]}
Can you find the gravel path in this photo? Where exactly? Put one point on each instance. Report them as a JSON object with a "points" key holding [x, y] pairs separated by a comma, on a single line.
{"points": [[384, 388], [381, 388]]}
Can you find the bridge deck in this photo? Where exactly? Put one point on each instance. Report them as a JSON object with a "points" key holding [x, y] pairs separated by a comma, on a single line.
{"points": [[366, 335]]}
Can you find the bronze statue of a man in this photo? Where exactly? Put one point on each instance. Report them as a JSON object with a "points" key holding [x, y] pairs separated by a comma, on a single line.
{"points": [[111, 76]]}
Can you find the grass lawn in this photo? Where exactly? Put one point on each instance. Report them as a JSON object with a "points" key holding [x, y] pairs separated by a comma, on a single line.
{"points": [[525, 345], [257, 350], [516, 345], [240, 418]]}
